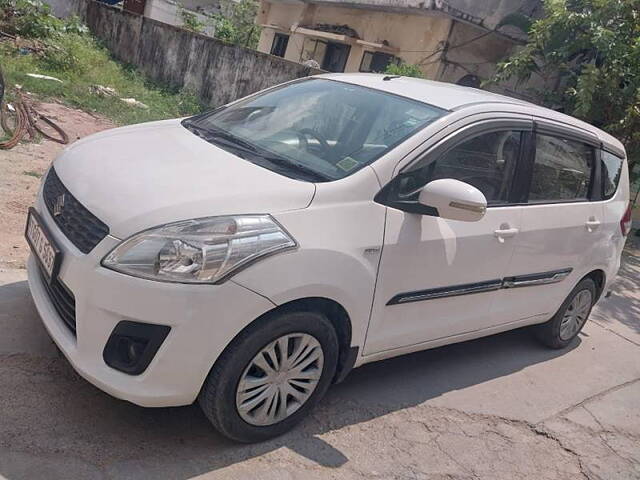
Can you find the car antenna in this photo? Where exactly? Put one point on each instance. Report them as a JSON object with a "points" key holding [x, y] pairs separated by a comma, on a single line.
{"points": [[390, 77]]}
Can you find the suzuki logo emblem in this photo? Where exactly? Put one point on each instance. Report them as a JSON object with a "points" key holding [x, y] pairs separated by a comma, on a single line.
{"points": [[58, 205]]}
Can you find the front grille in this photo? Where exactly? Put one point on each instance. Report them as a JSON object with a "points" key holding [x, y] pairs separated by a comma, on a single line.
{"points": [[79, 225], [63, 301]]}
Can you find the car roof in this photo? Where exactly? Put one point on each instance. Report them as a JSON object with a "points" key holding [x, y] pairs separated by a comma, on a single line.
{"points": [[449, 96]]}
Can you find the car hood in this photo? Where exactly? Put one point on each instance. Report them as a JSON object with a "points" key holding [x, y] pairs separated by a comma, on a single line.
{"points": [[138, 177]]}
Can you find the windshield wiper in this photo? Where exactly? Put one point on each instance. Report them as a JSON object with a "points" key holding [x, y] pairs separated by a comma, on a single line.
{"points": [[208, 133], [231, 141], [290, 165], [296, 167], [220, 136], [196, 129]]}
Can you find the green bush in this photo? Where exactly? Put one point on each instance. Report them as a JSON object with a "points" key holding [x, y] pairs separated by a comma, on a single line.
{"points": [[405, 70], [190, 21], [28, 18], [54, 39], [65, 50], [238, 25]]}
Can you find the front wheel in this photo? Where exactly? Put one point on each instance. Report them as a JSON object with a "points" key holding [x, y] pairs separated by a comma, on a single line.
{"points": [[570, 318], [271, 376]]}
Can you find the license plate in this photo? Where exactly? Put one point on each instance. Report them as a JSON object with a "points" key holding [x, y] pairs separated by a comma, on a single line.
{"points": [[41, 244]]}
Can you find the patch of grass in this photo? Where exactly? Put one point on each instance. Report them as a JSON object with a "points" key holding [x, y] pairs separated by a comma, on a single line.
{"points": [[31, 173], [80, 62]]}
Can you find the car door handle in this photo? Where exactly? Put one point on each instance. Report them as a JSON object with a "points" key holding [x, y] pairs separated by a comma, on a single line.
{"points": [[592, 224], [503, 233]]}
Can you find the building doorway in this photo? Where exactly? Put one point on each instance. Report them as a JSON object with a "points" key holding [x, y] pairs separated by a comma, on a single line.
{"points": [[330, 56], [335, 57]]}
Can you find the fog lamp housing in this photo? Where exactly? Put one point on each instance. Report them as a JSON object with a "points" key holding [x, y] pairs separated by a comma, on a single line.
{"points": [[132, 346]]}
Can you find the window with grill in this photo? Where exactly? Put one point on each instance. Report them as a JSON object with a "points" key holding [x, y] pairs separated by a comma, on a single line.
{"points": [[377, 62], [279, 45]]}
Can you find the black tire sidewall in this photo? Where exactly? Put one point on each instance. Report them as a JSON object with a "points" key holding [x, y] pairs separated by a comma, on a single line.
{"points": [[553, 328], [243, 349]]}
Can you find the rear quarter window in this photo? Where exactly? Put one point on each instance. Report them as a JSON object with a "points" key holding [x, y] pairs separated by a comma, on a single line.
{"points": [[611, 167]]}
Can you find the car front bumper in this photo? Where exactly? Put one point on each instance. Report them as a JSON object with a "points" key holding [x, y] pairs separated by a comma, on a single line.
{"points": [[203, 320]]}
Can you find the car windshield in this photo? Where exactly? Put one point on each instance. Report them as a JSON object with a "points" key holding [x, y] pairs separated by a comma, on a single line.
{"points": [[315, 130]]}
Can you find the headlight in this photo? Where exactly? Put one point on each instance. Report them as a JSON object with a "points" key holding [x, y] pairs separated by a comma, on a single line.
{"points": [[204, 250]]}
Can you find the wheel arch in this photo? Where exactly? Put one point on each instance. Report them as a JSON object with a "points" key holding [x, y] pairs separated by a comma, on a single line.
{"points": [[599, 277], [333, 310], [341, 321]]}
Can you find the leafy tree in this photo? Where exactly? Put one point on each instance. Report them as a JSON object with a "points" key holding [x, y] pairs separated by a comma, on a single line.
{"points": [[404, 69], [1, 85], [584, 55], [237, 25]]}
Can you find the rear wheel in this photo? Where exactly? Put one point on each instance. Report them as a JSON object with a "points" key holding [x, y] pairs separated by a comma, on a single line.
{"points": [[570, 318], [271, 376]]}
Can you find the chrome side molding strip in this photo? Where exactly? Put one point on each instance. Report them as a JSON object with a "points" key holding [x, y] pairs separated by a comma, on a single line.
{"points": [[529, 280], [443, 292], [544, 278]]}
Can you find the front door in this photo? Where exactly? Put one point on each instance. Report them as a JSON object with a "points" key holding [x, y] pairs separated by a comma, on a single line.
{"points": [[437, 278]]}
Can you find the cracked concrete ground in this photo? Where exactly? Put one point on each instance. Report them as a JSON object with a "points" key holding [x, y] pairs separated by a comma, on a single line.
{"points": [[501, 407]]}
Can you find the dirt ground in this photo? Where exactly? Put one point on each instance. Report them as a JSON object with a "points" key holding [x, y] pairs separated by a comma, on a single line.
{"points": [[21, 170]]}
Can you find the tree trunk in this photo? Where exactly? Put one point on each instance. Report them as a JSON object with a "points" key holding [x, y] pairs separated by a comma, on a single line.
{"points": [[1, 86]]}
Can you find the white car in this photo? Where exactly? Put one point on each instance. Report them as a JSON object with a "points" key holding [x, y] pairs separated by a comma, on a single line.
{"points": [[251, 256]]}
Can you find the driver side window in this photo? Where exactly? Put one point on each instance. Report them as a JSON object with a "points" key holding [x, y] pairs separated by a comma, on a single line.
{"points": [[486, 161]]}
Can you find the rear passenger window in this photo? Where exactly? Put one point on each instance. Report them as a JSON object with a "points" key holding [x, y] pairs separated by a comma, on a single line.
{"points": [[562, 170], [611, 170], [487, 162]]}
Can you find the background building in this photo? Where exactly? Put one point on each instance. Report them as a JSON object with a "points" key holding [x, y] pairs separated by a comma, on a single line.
{"points": [[456, 41]]}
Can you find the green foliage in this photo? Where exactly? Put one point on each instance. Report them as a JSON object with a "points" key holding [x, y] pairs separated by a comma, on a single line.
{"points": [[585, 56], [28, 18], [74, 25], [66, 51], [405, 70], [190, 21], [238, 25], [225, 29]]}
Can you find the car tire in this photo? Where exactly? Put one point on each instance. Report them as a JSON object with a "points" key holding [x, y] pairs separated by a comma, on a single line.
{"points": [[569, 320], [221, 391]]}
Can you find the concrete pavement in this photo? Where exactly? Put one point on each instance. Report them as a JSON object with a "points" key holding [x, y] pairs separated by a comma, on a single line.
{"points": [[498, 407]]}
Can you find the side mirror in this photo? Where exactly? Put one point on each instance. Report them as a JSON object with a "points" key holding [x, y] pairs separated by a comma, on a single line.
{"points": [[454, 200]]}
